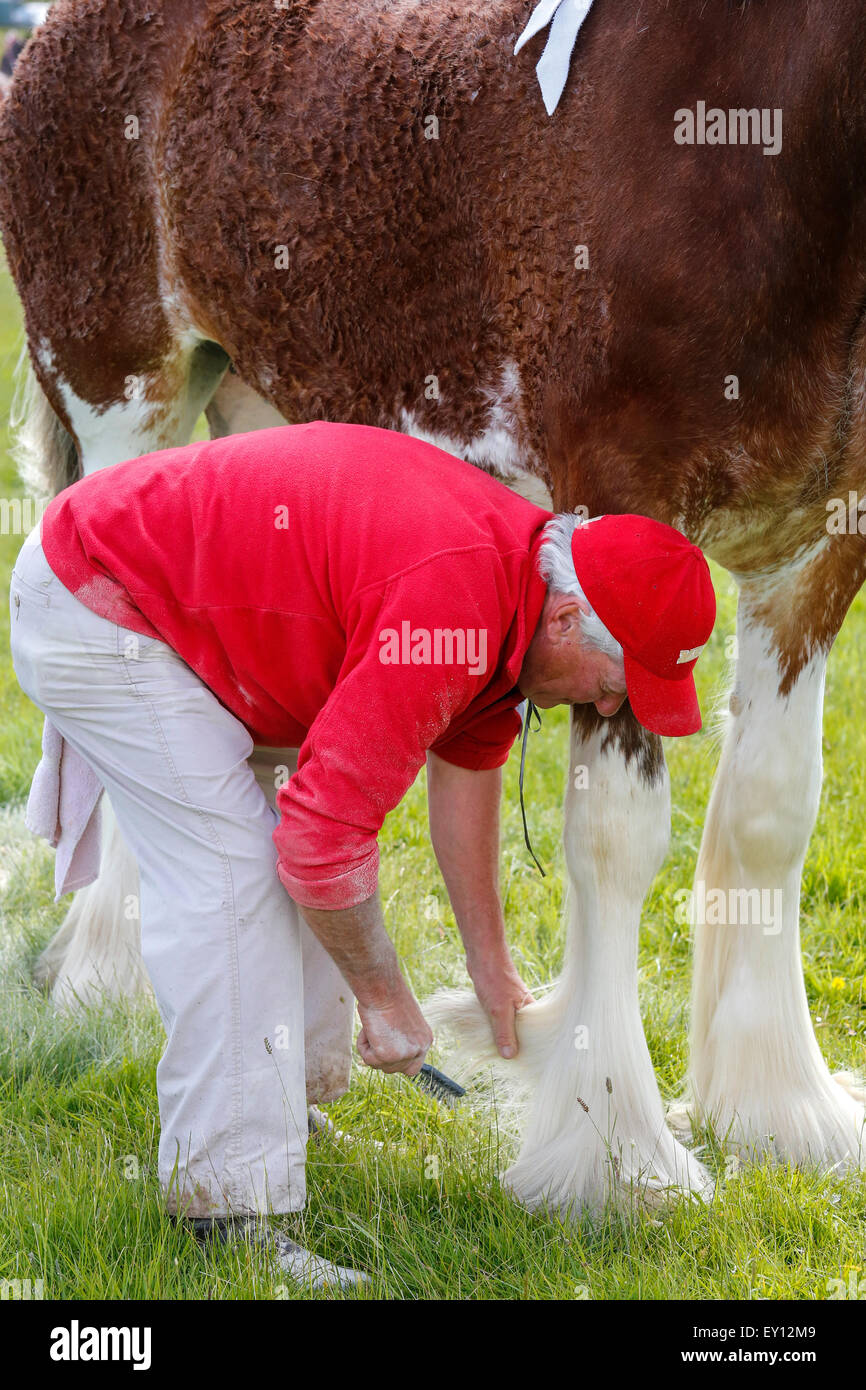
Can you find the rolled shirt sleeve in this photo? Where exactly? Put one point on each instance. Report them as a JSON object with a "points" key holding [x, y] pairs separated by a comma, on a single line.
{"points": [[393, 700]]}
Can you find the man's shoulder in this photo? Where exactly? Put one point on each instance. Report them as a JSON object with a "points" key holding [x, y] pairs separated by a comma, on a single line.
{"points": [[446, 575]]}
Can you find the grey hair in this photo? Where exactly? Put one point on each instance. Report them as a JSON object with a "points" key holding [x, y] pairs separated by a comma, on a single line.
{"points": [[556, 566]]}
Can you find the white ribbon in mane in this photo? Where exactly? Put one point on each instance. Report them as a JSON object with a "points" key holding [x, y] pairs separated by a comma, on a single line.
{"points": [[552, 66]]}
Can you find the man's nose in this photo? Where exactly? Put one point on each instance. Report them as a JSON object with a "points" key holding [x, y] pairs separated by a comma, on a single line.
{"points": [[610, 704]]}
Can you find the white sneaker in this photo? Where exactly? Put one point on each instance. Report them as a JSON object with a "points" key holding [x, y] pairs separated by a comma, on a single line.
{"points": [[306, 1268], [318, 1122], [301, 1265]]}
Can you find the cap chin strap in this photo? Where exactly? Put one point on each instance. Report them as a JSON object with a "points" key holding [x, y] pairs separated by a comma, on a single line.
{"points": [[530, 711]]}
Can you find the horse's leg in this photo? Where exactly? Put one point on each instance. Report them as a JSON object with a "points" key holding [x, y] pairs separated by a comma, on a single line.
{"points": [[236, 408], [756, 1069], [596, 1124], [97, 950], [96, 953]]}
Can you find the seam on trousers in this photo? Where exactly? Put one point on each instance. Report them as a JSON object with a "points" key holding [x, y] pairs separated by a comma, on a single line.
{"points": [[236, 1128]]}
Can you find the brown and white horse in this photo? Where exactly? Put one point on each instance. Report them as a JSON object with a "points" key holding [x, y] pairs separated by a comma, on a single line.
{"points": [[364, 207]]}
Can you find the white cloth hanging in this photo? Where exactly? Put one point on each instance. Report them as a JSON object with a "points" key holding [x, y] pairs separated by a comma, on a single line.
{"points": [[63, 808], [552, 67]]}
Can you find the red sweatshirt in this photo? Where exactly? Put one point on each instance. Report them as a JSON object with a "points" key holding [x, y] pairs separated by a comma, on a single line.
{"points": [[347, 590]]}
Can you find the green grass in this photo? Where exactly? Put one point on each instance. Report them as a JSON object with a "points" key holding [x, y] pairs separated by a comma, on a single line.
{"points": [[81, 1204]]}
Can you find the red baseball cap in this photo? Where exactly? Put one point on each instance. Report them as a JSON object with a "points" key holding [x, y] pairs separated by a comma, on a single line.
{"points": [[652, 590]]}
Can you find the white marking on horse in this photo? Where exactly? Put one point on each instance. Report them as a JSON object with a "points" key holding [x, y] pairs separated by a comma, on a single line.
{"points": [[497, 449], [756, 1067]]}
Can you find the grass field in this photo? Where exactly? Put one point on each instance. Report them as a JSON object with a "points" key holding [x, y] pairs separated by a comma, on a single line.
{"points": [[81, 1207]]}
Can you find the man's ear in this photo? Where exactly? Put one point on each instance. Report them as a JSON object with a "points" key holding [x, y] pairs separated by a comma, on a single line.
{"points": [[564, 616]]}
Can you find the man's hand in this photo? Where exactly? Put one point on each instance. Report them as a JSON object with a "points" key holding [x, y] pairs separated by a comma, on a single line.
{"points": [[501, 993], [394, 1036]]}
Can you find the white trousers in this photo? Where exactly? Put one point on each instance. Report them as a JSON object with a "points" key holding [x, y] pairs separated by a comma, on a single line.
{"points": [[257, 1017]]}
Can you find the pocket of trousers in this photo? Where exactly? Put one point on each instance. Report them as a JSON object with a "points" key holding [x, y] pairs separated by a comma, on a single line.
{"points": [[22, 589]]}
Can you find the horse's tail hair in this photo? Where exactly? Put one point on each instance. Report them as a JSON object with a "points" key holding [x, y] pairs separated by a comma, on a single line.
{"points": [[43, 449]]}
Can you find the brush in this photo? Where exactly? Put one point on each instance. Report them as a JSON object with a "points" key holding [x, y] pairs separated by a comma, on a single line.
{"points": [[438, 1085]]}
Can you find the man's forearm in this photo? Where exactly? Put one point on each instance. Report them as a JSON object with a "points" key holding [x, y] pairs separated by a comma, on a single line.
{"points": [[464, 830], [356, 940], [394, 1034]]}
